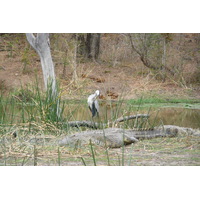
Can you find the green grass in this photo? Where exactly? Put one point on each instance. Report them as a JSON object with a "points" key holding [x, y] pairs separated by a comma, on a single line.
{"points": [[32, 105], [155, 100]]}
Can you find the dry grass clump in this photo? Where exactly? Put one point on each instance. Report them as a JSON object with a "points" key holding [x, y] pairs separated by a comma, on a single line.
{"points": [[181, 150]]}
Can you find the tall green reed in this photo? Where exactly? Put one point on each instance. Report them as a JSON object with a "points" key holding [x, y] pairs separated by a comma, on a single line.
{"points": [[31, 104]]}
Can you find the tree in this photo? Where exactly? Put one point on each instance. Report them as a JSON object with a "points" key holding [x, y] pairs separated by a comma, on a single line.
{"points": [[88, 45], [151, 49], [41, 44], [93, 45]]}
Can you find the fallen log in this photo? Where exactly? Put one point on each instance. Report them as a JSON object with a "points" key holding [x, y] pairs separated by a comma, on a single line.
{"points": [[125, 118], [95, 125]]}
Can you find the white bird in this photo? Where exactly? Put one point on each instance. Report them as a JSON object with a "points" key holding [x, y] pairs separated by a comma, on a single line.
{"points": [[93, 103]]}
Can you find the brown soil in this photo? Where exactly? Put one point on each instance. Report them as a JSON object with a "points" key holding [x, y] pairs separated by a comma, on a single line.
{"points": [[111, 81], [18, 68]]}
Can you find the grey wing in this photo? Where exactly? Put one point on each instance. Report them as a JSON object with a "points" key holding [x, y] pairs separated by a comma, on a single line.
{"points": [[96, 105], [93, 110]]}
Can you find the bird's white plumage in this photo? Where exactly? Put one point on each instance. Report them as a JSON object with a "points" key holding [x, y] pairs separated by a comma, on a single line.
{"points": [[93, 103]]}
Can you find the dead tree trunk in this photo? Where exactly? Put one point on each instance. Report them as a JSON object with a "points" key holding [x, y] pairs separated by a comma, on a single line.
{"points": [[41, 44], [93, 45]]}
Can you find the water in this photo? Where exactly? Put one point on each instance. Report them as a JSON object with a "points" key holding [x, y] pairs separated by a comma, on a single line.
{"points": [[179, 116], [172, 114], [159, 114]]}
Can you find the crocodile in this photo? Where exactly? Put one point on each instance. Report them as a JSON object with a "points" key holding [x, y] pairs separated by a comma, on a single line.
{"points": [[110, 137], [117, 137]]}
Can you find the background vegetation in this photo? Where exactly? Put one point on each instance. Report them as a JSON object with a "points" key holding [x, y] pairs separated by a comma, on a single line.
{"points": [[114, 63]]}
